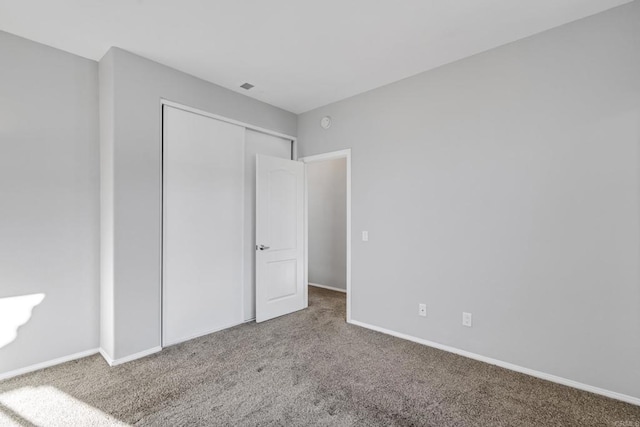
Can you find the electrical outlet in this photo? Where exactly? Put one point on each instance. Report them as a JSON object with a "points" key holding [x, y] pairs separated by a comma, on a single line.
{"points": [[466, 319], [422, 310]]}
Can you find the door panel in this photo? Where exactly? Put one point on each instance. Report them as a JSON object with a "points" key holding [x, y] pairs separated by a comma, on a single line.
{"points": [[203, 225], [269, 145], [280, 287], [282, 227], [282, 276]]}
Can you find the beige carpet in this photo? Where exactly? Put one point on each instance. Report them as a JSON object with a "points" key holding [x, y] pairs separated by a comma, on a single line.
{"points": [[308, 368]]}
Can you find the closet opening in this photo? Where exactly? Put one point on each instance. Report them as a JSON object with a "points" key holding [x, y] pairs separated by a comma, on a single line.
{"points": [[208, 277]]}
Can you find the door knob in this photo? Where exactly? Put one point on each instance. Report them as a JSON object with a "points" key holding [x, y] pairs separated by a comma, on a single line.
{"points": [[262, 247]]}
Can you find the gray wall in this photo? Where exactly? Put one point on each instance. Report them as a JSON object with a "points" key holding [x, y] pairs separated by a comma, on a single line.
{"points": [[49, 205], [327, 207], [138, 85], [505, 185]]}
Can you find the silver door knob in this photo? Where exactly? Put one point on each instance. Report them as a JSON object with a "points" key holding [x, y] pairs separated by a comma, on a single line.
{"points": [[262, 247]]}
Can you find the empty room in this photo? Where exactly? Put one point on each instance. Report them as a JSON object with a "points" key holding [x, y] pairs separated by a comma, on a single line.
{"points": [[336, 213]]}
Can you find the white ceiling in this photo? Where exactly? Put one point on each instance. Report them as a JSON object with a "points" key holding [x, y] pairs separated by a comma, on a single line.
{"points": [[300, 54]]}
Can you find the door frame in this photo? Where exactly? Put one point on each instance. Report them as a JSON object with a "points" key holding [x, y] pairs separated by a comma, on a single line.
{"points": [[169, 103], [341, 154]]}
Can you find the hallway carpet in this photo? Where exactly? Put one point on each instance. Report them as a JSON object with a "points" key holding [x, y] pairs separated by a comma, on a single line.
{"points": [[307, 368]]}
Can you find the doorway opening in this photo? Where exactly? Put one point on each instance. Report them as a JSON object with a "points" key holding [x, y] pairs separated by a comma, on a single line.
{"points": [[328, 240]]}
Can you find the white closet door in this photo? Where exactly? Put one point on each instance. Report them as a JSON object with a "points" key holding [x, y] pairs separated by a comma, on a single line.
{"points": [[203, 199]]}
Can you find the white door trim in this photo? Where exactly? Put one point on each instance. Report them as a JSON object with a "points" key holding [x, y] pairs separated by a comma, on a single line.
{"points": [[173, 104], [342, 154]]}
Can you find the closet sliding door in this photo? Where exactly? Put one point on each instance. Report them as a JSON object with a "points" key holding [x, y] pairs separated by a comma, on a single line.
{"points": [[203, 198]]}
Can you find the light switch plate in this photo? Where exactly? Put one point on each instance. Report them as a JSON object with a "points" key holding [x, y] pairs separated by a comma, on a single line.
{"points": [[365, 236], [466, 319]]}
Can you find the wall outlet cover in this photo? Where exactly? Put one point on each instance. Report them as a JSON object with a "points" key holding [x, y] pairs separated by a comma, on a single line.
{"points": [[422, 310]]}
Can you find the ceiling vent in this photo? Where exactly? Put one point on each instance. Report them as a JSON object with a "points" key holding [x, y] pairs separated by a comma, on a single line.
{"points": [[246, 86]]}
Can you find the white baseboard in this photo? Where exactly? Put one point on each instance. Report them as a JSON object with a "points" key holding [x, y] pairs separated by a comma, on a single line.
{"points": [[105, 356], [331, 288], [506, 365], [202, 334], [139, 355], [47, 364]]}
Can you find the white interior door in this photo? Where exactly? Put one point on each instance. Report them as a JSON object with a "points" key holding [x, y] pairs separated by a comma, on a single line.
{"points": [[280, 275], [255, 143], [203, 197]]}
